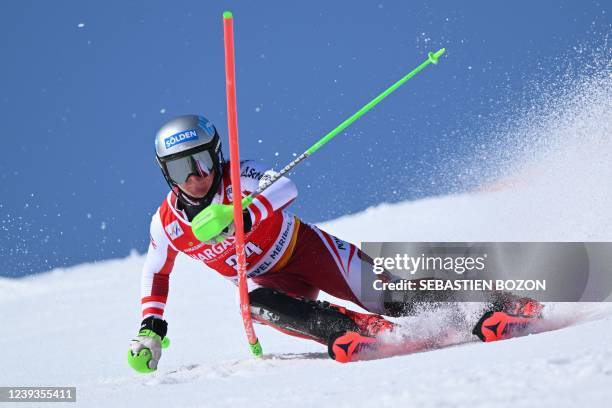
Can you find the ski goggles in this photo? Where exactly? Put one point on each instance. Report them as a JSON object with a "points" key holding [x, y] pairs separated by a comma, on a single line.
{"points": [[199, 163]]}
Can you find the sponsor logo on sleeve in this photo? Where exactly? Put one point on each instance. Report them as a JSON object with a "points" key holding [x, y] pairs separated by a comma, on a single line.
{"points": [[250, 172], [174, 230], [182, 137]]}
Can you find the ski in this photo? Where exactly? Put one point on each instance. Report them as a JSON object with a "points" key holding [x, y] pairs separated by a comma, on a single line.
{"points": [[350, 346]]}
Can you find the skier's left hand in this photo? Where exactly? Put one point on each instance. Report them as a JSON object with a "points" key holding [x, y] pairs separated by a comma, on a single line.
{"points": [[230, 230]]}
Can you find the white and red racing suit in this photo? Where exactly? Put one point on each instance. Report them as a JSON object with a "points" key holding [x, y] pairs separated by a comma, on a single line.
{"points": [[282, 252]]}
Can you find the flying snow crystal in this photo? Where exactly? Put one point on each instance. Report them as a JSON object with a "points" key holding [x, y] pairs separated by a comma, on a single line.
{"points": [[260, 141], [162, 110], [276, 153], [88, 215], [257, 109], [103, 225], [81, 25]]}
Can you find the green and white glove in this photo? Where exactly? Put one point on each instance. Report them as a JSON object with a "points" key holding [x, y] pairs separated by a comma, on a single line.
{"points": [[213, 223], [146, 349], [230, 230]]}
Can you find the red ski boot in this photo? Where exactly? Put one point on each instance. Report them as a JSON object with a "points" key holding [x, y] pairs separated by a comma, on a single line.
{"points": [[510, 317], [345, 347], [369, 324]]}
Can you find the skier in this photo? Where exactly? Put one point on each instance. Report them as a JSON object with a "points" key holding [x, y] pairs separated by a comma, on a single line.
{"points": [[288, 261]]}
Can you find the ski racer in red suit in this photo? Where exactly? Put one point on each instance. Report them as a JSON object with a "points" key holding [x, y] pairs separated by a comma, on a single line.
{"points": [[288, 261]]}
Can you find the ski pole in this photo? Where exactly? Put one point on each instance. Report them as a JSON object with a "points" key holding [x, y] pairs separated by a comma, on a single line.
{"points": [[217, 216], [432, 58], [232, 122]]}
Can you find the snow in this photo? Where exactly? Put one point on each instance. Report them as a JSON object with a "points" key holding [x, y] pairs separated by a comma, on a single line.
{"points": [[71, 327]]}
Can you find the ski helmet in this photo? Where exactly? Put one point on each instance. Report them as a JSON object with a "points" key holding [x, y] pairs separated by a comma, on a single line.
{"points": [[187, 145]]}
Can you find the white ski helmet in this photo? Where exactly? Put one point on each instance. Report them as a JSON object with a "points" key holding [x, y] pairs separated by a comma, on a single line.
{"points": [[186, 145]]}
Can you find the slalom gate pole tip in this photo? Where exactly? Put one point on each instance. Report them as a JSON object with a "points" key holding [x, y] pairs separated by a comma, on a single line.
{"points": [[227, 14], [256, 349]]}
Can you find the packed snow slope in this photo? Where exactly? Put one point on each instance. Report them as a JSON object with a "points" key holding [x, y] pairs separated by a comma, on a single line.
{"points": [[72, 327]]}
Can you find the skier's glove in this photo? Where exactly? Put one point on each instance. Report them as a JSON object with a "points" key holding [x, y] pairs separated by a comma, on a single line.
{"points": [[230, 230], [145, 349]]}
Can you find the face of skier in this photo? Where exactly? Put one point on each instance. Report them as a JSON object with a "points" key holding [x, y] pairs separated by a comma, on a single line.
{"points": [[197, 186]]}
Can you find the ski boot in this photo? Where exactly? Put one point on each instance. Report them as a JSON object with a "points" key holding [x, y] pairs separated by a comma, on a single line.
{"points": [[345, 347], [510, 316], [320, 321]]}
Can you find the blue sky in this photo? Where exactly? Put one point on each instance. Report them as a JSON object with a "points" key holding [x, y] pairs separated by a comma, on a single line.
{"points": [[85, 85]]}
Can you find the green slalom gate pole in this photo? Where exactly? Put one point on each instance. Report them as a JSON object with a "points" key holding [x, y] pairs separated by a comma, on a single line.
{"points": [[216, 215]]}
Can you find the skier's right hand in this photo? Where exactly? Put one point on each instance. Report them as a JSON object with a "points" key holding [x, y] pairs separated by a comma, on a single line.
{"points": [[145, 350]]}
